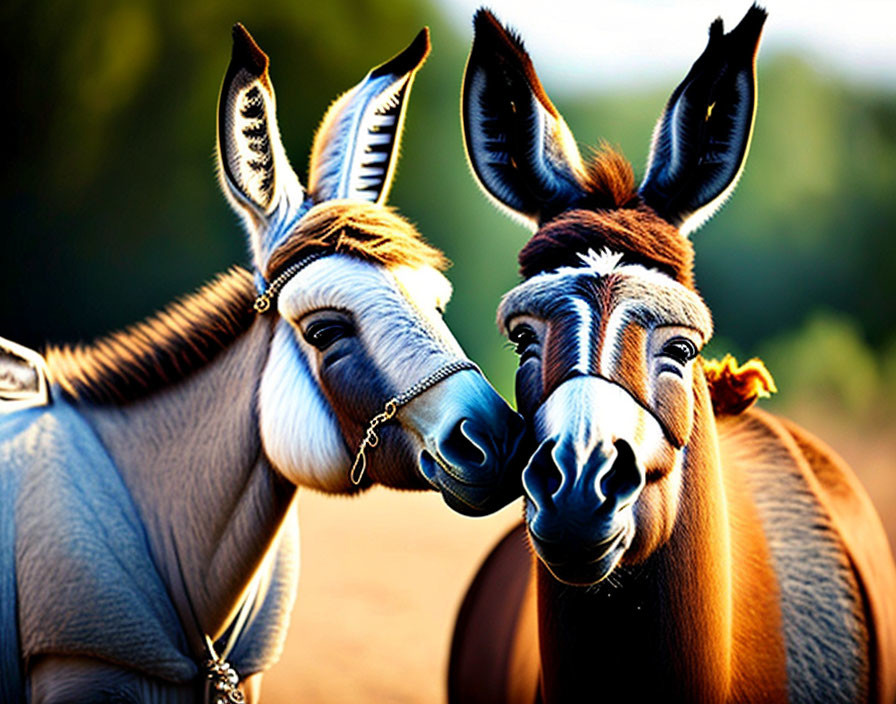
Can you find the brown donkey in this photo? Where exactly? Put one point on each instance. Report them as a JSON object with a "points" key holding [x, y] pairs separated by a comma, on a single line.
{"points": [[687, 547]]}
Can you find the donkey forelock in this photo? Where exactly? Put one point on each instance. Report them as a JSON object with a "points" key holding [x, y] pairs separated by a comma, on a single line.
{"points": [[370, 232], [611, 217]]}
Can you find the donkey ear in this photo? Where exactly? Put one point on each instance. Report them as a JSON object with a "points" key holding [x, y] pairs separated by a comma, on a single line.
{"points": [[254, 170], [356, 146], [519, 146], [701, 141]]}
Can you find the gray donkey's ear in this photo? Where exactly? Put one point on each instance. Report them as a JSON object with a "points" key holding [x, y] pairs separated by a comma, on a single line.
{"points": [[519, 146], [254, 170], [701, 141], [356, 146]]}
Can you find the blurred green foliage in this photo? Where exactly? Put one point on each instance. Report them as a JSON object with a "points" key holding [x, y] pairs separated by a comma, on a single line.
{"points": [[827, 362], [112, 206]]}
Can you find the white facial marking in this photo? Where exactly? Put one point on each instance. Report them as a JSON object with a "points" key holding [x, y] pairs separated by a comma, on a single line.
{"points": [[597, 411], [602, 262], [612, 340], [429, 292], [299, 430], [650, 288], [406, 340], [583, 335]]}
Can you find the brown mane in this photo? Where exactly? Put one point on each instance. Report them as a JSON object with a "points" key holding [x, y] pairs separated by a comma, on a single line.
{"points": [[162, 349], [609, 180], [735, 387], [364, 230], [641, 235], [612, 215]]}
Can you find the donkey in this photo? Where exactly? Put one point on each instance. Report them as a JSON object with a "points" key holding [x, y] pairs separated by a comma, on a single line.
{"points": [[146, 506], [686, 546]]}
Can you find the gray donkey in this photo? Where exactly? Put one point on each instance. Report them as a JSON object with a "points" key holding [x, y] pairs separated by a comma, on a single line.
{"points": [[147, 546]]}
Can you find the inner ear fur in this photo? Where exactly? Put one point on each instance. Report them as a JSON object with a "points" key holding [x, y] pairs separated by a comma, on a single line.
{"points": [[519, 147], [250, 153], [356, 147], [701, 141]]}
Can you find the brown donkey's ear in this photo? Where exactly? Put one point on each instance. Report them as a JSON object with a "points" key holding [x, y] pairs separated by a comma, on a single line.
{"points": [[701, 140], [356, 146], [519, 147], [252, 165]]}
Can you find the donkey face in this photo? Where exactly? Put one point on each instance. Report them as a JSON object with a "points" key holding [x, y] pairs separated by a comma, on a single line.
{"points": [[607, 322], [606, 373], [359, 299]]}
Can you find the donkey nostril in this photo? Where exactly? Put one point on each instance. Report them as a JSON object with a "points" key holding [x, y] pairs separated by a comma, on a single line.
{"points": [[460, 448], [624, 478], [542, 476]]}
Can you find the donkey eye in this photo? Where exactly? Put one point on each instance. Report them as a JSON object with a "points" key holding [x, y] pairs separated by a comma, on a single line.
{"points": [[522, 336], [680, 349], [323, 333]]}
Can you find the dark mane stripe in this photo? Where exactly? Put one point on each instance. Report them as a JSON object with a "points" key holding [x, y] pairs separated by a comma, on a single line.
{"points": [[160, 350]]}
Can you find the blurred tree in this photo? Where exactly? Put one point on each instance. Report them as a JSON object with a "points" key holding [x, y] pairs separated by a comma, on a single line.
{"points": [[112, 206]]}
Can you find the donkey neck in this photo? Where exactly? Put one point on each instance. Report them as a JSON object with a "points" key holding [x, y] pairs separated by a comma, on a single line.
{"points": [[661, 630], [191, 457]]}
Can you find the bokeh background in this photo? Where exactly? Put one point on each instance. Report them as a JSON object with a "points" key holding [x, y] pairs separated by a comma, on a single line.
{"points": [[111, 208]]}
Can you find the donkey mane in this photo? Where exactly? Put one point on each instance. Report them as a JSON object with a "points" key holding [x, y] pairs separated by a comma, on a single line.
{"points": [[371, 232], [164, 348], [187, 334], [610, 214], [609, 181], [734, 387]]}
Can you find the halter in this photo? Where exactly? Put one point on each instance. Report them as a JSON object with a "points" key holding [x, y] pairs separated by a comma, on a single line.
{"points": [[371, 439], [266, 300], [268, 297]]}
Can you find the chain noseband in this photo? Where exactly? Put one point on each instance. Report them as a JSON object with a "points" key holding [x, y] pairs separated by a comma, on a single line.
{"points": [[268, 297], [371, 439]]}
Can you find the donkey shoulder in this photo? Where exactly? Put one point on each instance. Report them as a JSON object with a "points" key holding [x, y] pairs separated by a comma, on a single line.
{"points": [[786, 464], [867, 547]]}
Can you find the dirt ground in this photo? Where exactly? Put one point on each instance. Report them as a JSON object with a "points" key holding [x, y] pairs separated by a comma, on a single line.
{"points": [[383, 576]]}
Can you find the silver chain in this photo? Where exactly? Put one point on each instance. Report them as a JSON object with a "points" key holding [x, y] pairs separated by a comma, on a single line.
{"points": [[371, 439]]}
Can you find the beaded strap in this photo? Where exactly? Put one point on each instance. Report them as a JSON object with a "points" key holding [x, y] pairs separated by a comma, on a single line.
{"points": [[266, 299], [223, 686]]}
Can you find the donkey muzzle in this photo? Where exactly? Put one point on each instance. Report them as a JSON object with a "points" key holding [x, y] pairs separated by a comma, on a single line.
{"points": [[473, 443], [583, 481]]}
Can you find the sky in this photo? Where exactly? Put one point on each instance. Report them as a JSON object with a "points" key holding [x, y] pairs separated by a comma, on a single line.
{"points": [[590, 44]]}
